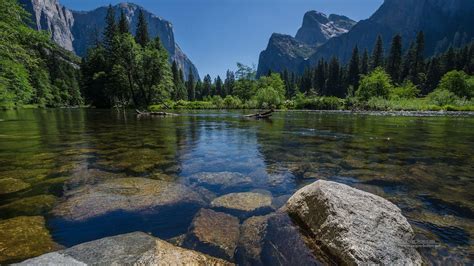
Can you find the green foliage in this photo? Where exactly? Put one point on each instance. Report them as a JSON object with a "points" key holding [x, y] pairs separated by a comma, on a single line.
{"points": [[33, 70], [375, 84], [300, 101], [442, 97], [457, 82], [407, 90]]}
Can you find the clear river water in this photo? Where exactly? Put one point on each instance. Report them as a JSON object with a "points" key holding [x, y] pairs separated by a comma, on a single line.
{"points": [[52, 161]]}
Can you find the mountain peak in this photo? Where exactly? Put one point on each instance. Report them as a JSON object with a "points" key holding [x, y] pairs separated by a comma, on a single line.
{"points": [[317, 27]]}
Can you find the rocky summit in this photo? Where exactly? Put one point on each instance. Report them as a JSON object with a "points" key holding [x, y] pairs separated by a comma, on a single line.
{"points": [[290, 53], [352, 226], [76, 30], [128, 249]]}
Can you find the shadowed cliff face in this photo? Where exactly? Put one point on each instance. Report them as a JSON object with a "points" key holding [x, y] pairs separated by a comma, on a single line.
{"points": [[77, 31], [444, 23], [285, 52]]}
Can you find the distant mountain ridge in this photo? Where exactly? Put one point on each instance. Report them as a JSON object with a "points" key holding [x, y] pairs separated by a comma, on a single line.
{"points": [[287, 52], [78, 30], [445, 23]]}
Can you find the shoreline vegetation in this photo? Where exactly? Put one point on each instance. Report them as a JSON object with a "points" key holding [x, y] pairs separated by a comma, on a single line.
{"points": [[122, 70]]}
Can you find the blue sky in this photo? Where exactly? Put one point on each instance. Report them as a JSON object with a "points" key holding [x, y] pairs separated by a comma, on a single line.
{"points": [[216, 34]]}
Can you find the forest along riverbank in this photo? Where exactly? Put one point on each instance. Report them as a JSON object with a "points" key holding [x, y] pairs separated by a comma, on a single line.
{"points": [[134, 173]]}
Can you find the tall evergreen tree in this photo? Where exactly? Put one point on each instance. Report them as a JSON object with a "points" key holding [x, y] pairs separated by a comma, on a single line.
{"points": [[219, 87], [123, 23], [333, 83], [394, 61], [321, 78], [433, 76], [353, 73], [190, 86], [417, 66], [198, 90], [449, 60], [207, 86], [180, 92], [142, 37], [377, 54], [364, 64], [111, 29], [229, 83]]}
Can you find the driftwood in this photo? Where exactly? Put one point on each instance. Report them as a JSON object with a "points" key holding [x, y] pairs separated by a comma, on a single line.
{"points": [[263, 115], [154, 113]]}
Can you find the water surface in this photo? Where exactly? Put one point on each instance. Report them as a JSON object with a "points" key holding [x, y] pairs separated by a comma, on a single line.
{"points": [[425, 165]]}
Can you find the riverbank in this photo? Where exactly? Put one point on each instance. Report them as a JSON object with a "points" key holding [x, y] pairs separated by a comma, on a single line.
{"points": [[319, 103]]}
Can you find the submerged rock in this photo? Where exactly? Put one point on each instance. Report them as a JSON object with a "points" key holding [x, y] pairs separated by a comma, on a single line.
{"points": [[242, 203], [128, 249], [24, 237], [250, 244], [10, 185], [35, 205], [352, 226], [126, 194], [214, 233], [223, 180]]}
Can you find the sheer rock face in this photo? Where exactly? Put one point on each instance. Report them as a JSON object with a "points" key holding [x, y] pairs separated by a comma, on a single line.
{"points": [[77, 30], [128, 249], [444, 23], [50, 16], [285, 52], [353, 226], [318, 28]]}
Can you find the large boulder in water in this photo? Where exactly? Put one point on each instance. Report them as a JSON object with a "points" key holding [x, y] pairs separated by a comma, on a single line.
{"points": [[128, 249], [243, 204], [352, 226], [214, 233], [124, 194]]}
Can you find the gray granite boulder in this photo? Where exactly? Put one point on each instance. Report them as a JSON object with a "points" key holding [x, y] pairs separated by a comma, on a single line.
{"points": [[352, 226], [128, 249]]}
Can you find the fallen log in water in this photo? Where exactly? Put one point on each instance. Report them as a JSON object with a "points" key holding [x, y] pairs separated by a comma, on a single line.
{"points": [[266, 114], [154, 113]]}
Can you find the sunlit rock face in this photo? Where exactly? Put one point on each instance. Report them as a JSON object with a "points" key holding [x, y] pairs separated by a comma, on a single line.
{"points": [[444, 23], [76, 31], [353, 226], [128, 249], [285, 52], [51, 16]]}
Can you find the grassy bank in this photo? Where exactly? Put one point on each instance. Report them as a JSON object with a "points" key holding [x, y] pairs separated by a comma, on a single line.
{"points": [[324, 103]]}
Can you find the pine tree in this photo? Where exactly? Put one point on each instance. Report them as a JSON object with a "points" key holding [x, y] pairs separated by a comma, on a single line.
{"points": [[377, 54], [206, 86], [123, 23], [321, 78], [394, 61], [364, 65], [229, 83], [449, 60], [110, 28], [190, 86], [142, 37], [408, 62], [433, 76], [417, 66], [333, 83], [353, 73], [306, 81], [219, 87], [180, 92], [199, 90]]}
